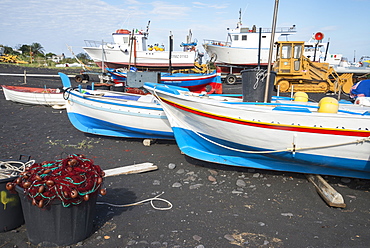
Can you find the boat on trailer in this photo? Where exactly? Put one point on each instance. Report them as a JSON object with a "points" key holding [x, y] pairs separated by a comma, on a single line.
{"points": [[130, 48]]}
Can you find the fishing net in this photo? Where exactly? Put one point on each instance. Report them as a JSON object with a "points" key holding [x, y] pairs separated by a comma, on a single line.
{"points": [[71, 180]]}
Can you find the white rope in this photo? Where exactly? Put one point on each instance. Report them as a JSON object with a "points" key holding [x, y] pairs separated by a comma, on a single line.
{"points": [[10, 169], [260, 76], [151, 200], [293, 149]]}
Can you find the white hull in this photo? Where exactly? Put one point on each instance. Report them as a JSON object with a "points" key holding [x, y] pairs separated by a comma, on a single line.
{"points": [[268, 136], [237, 56], [118, 114], [34, 96], [115, 58]]}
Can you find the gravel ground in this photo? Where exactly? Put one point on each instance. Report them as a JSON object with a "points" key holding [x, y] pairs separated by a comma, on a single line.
{"points": [[213, 205]]}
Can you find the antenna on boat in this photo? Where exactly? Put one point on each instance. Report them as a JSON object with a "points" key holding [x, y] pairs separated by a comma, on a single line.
{"points": [[147, 28], [271, 47]]}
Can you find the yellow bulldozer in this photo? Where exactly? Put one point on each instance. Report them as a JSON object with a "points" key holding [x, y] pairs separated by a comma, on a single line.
{"points": [[295, 72]]}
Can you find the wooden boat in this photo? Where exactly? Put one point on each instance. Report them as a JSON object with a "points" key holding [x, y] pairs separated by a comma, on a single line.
{"points": [[117, 114], [195, 82], [30, 95], [272, 136]]}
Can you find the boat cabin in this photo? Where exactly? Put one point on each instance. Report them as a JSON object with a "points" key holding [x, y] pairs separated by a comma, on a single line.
{"points": [[124, 37]]}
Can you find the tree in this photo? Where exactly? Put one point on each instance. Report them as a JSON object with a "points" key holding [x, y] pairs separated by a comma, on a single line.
{"points": [[37, 49], [26, 49], [83, 56], [49, 55]]}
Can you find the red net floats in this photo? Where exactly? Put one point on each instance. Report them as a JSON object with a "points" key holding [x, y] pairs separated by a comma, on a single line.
{"points": [[71, 180]]}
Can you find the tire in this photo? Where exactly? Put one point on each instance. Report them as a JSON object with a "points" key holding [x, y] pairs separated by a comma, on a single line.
{"points": [[213, 58], [79, 78], [230, 79]]}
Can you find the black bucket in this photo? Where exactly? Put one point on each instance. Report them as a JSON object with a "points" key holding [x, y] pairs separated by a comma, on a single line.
{"points": [[11, 215], [55, 225], [254, 85]]}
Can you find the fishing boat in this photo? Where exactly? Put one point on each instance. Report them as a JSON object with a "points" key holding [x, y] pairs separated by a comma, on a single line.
{"points": [[33, 95], [116, 114], [130, 48], [360, 67], [272, 136], [248, 47], [244, 46], [195, 82]]}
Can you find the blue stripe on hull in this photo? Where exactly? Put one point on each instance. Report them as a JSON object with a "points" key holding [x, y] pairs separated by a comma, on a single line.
{"points": [[95, 126], [194, 146]]}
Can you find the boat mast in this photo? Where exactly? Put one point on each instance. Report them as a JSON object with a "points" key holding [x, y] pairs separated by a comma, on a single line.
{"points": [[170, 53], [271, 48]]}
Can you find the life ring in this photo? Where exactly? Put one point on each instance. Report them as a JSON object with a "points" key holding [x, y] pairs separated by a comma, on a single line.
{"points": [[319, 36], [122, 31]]}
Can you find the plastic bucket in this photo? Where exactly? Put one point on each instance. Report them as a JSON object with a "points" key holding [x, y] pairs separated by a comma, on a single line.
{"points": [[254, 85], [55, 225], [11, 215]]}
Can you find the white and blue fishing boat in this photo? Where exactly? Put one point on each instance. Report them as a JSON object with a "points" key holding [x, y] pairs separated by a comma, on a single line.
{"points": [[195, 82], [117, 114], [272, 136]]}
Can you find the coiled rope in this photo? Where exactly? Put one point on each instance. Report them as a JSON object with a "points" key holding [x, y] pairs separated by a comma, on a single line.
{"points": [[10, 169], [151, 200]]}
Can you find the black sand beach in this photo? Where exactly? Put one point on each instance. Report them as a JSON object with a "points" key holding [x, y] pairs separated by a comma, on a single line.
{"points": [[213, 205]]}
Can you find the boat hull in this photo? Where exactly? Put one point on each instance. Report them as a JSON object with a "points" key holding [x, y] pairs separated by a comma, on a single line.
{"points": [[261, 136], [154, 60], [210, 83], [34, 96], [237, 56], [118, 115]]}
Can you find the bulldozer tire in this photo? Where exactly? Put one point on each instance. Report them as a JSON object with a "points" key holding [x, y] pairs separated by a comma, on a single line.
{"points": [[230, 79], [284, 85]]}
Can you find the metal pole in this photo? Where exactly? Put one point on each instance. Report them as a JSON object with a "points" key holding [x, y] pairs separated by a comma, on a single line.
{"points": [[170, 54], [271, 48], [102, 61], [327, 49], [259, 48]]}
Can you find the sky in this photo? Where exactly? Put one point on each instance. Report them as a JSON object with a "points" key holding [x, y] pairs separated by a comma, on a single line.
{"points": [[55, 24]]}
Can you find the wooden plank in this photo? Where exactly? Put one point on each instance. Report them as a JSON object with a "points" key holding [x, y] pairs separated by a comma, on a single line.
{"points": [[328, 193], [130, 169]]}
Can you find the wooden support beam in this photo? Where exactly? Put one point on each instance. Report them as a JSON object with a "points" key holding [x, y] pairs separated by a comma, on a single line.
{"points": [[328, 193], [130, 169]]}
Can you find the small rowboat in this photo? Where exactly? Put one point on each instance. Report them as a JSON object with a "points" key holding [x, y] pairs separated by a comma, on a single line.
{"points": [[30, 95]]}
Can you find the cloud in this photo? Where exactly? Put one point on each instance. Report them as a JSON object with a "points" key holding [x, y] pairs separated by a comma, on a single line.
{"points": [[209, 6], [162, 10]]}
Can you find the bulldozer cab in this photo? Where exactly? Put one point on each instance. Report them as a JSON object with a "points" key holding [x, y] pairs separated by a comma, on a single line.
{"points": [[289, 57]]}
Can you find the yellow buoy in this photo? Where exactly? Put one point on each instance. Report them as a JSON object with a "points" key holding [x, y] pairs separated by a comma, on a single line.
{"points": [[300, 96], [328, 105]]}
